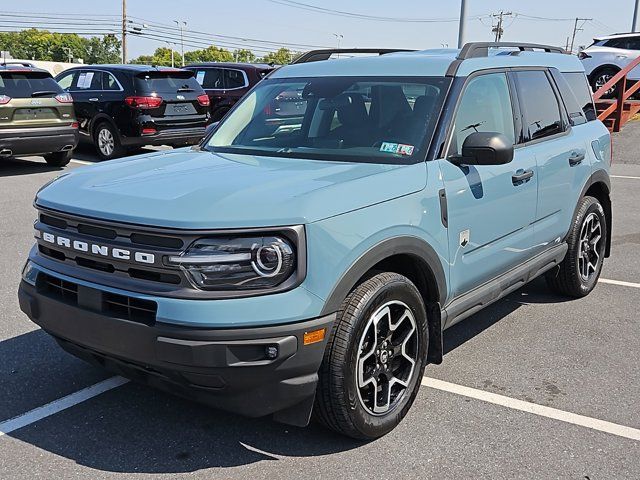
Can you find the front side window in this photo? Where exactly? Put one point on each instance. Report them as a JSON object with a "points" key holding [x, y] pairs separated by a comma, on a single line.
{"points": [[66, 80], [485, 106], [89, 80], [356, 119], [539, 103]]}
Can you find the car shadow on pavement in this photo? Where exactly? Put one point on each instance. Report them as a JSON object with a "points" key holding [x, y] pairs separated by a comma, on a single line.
{"points": [[535, 292], [136, 429], [11, 167]]}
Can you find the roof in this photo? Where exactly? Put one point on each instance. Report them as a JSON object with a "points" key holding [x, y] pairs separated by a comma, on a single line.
{"points": [[256, 66], [129, 67], [617, 35], [429, 63]]}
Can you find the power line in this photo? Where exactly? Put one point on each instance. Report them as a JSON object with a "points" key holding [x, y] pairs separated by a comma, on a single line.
{"points": [[577, 29], [498, 29]]}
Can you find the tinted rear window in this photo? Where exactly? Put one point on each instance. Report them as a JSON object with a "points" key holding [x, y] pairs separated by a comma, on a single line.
{"points": [[582, 91], [166, 82], [24, 84]]}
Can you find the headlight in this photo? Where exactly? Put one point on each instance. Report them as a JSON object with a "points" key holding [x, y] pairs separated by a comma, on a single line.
{"points": [[238, 263]]}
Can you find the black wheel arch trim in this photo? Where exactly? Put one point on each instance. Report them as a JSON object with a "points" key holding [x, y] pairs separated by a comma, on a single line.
{"points": [[600, 177], [401, 245], [100, 118]]}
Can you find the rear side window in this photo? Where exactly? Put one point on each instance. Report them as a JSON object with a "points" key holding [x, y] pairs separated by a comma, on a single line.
{"points": [[233, 79], [622, 42], [582, 91], [634, 43], [539, 103], [210, 78], [166, 82], [25, 84]]}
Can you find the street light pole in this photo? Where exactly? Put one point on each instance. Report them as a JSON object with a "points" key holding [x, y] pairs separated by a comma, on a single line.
{"points": [[124, 31], [181, 25], [634, 25], [463, 15]]}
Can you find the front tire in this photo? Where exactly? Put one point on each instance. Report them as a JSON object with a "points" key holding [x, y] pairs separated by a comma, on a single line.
{"points": [[375, 358], [107, 142], [578, 273], [58, 159]]}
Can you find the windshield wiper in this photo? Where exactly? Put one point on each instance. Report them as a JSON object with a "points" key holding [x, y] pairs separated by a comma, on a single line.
{"points": [[43, 93]]}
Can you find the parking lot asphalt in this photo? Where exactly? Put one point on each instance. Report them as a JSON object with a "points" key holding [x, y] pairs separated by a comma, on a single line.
{"points": [[532, 348]]}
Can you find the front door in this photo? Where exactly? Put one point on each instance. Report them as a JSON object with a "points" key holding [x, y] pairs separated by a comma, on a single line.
{"points": [[491, 208]]}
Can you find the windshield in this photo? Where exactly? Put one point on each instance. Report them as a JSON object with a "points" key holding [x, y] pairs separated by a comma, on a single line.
{"points": [[355, 119]]}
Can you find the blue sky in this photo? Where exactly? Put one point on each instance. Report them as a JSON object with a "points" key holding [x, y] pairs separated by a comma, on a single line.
{"points": [[271, 21]]}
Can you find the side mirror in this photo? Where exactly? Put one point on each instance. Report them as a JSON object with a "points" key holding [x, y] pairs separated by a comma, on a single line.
{"points": [[485, 148]]}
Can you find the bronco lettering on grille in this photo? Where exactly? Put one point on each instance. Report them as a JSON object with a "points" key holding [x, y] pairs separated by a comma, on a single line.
{"points": [[100, 250]]}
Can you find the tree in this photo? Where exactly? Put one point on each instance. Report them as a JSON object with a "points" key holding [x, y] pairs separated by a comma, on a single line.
{"points": [[162, 56], [34, 44], [244, 55], [209, 54], [281, 57]]}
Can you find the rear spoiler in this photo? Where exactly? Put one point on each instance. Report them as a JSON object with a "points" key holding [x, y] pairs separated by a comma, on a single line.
{"points": [[325, 54]]}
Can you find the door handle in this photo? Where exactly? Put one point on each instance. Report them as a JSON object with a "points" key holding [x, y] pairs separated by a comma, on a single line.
{"points": [[576, 159], [94, 99], [521, 176]]}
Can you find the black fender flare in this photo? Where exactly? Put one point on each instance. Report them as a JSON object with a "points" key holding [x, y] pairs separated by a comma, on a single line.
{"points": [[600, 177], [407, 245]]}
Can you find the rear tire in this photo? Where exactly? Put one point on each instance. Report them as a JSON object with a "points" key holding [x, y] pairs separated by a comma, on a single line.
{"points": [[107, 141], [58, 159], [375, 358], [578, 273]]}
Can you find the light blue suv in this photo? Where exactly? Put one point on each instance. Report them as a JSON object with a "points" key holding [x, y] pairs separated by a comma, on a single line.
{"points": [[309, 253]]}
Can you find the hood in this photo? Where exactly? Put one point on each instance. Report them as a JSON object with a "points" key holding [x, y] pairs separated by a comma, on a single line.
{"points": [[193, 189]]}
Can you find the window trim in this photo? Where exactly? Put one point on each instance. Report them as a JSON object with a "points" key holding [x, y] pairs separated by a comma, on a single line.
{"points": [[81, 70], [224, 83]]}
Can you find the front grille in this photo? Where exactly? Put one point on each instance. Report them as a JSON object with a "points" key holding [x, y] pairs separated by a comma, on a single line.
{"points": [[129, 308], [111, 304], [58, 288], [112, 236]]}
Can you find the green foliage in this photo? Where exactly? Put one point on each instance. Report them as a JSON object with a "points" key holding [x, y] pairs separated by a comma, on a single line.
{"points": [[281, 57], [33, 44], [162, 56], [244, 55]]}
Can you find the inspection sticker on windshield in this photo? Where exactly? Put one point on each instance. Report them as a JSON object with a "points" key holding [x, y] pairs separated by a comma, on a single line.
{"points": [[397, 148]]}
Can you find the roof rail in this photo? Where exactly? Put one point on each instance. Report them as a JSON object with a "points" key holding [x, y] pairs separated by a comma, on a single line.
{"points": [[481, 49], [325, 54]]}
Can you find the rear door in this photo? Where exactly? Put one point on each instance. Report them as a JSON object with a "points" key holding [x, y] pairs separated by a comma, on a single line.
{"points": [[236, 84], [560, 152], [182, 98], [32, 99]]}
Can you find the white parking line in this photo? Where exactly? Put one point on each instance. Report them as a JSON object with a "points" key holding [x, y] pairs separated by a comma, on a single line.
{"points": [[82, 162], [625, 176], [619, 283], [63, 403], [534, 408]]}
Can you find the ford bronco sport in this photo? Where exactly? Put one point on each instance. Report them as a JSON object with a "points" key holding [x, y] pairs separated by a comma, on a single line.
{"points": [[310, 262]]}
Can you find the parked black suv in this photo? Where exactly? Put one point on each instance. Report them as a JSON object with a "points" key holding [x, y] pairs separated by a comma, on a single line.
{"points": [[226, 83], [36, 115], [122, 107]]}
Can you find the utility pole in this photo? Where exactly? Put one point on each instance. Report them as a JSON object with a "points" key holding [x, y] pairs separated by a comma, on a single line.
{"points": [[461, 25], [498, 30], [577, 29], [634, 25], [181, 25], [124, 31]]}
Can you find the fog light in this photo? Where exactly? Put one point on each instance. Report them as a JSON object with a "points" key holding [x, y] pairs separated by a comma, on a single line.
{"points": [[29, 273], [314, 337], [271, 352]]}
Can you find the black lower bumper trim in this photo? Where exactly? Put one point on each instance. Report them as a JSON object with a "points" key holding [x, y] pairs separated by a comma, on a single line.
{"points": [[250, 371], [32, 141]]}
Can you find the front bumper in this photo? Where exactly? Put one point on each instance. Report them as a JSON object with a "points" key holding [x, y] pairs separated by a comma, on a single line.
{"points": [[225, 368], [33, 141]]}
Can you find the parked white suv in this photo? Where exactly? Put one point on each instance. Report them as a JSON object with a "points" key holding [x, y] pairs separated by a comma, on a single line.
{"points": [[606, 56]]}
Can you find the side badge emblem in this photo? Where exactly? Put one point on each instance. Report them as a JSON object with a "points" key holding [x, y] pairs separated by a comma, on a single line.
{"points": [[464, 238]]}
